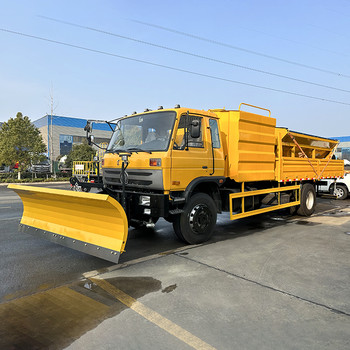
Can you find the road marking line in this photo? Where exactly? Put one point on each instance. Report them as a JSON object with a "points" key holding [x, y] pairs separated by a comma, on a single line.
{"points": [[153, 316], [5, 207]]}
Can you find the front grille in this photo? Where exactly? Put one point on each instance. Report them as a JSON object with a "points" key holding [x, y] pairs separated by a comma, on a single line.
{"points": [[130, 173], [116, 181], [152, 179]]}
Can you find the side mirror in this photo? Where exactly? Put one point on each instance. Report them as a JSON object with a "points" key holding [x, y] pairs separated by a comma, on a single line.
{"points": [[90, 139], [88, 127], [195, 130]]}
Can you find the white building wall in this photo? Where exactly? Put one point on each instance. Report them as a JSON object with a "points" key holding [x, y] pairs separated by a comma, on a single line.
{"points": [[70, 131], [43, 131]]}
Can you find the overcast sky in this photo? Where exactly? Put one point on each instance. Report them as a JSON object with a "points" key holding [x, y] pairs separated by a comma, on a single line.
{"points": [[312, 35]]}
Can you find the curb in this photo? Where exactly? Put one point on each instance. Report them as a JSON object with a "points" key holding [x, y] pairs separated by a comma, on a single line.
{"points": [[35, 183]]}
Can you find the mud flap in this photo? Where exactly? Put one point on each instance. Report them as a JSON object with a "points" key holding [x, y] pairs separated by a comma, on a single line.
{"points": [[95, 224]]}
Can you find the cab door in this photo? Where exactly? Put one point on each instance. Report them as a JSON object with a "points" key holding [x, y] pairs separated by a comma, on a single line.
{"points": [[189, 163]]}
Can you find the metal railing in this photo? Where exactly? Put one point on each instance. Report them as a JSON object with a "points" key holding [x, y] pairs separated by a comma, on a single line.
{"points": [[86, 169]]}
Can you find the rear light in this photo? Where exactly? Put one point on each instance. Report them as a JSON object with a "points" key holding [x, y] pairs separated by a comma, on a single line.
{"points": [[155, 162], [102, 162]]}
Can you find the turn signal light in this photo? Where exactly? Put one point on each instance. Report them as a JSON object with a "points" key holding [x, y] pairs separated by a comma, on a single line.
{"points": [[155, 162]]}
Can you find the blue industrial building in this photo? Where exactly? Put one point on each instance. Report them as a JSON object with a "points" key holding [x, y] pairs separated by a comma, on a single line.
{"points": [[61, 133], [343, 149]]}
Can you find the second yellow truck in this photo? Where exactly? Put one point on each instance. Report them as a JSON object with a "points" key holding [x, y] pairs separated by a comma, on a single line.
{"points": [[186, 166]]}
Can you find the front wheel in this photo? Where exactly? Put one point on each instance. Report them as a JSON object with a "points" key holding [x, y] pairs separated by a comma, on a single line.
{"points": [[307, 200], [196, 223]]}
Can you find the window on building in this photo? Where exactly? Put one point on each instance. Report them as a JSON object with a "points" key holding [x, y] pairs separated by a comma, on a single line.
{"points": [[99, 140], [78, 139], [66, 143], [345, 153]]}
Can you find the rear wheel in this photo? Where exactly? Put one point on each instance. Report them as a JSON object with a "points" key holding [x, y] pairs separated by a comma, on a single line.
{"points": [[196, 223], [341, 192], [307, 200]]}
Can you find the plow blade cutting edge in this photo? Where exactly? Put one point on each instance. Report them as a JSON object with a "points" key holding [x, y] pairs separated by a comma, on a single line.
{"points": [[95, 224]]}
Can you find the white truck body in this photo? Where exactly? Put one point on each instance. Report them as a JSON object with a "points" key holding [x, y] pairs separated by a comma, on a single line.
{"points": [[342, 186]]}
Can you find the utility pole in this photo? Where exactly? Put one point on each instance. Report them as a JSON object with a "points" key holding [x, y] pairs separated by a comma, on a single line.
{"points": [[52, 168]]}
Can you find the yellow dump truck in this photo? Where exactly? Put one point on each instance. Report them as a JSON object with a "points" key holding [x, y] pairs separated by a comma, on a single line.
{"points": [[186, 166]]}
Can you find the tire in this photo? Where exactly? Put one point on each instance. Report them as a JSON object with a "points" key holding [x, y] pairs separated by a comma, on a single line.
{"points": [[176, 228], [341, 191], [196, 224], [76, 188], [307, 200]]}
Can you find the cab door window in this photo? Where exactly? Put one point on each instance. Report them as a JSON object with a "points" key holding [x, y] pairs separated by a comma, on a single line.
{"points": [[183, 134], [213, 123]]}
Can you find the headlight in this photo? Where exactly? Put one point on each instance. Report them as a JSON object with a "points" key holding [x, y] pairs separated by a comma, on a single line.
{"points": [[145, 200], [147, 211]]}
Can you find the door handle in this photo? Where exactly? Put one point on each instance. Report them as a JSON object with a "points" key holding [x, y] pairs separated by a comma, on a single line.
{"points": [[204, 167]]}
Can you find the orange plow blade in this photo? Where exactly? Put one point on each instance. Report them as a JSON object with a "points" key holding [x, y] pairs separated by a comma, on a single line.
{"points": [[92, 223]]}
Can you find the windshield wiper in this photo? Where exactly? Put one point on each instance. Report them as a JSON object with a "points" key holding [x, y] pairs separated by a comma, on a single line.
{"points": [[117, 150], [136, 149]]}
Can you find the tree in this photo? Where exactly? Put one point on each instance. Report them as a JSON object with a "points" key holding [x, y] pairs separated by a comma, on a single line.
{"points": [[21, 141], [82, 152]]}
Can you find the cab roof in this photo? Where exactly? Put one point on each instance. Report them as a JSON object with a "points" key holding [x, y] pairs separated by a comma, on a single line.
{"points": [[179, 111]]}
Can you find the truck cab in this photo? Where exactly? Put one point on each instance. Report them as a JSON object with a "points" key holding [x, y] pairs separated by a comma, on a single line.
{"points": [[171, 153]]}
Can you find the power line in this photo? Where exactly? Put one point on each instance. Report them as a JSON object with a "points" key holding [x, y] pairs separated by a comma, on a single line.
{"points": [[194, 55], [171, 68], [240, 48], [297, 42]]}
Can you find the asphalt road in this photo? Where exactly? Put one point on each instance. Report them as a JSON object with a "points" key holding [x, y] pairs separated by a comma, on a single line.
{"points": [[295, 264], [29, 264]]}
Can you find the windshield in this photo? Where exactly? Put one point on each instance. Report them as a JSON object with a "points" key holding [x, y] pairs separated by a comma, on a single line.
{"points": [[143, 133]]}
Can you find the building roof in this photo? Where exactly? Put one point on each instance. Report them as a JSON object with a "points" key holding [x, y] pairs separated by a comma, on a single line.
{"points": [[343, 138], [68, 121]]}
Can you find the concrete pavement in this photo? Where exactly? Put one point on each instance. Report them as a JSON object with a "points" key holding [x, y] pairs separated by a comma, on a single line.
{"points": [[268, 282], [287, 287]]}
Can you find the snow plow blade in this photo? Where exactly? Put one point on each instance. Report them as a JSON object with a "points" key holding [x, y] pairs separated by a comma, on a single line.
{"points": [[95, 224]]}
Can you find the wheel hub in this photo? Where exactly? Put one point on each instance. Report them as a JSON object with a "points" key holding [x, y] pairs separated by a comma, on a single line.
{"points": [[339, 192], [199, 218], [310, 200]]}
